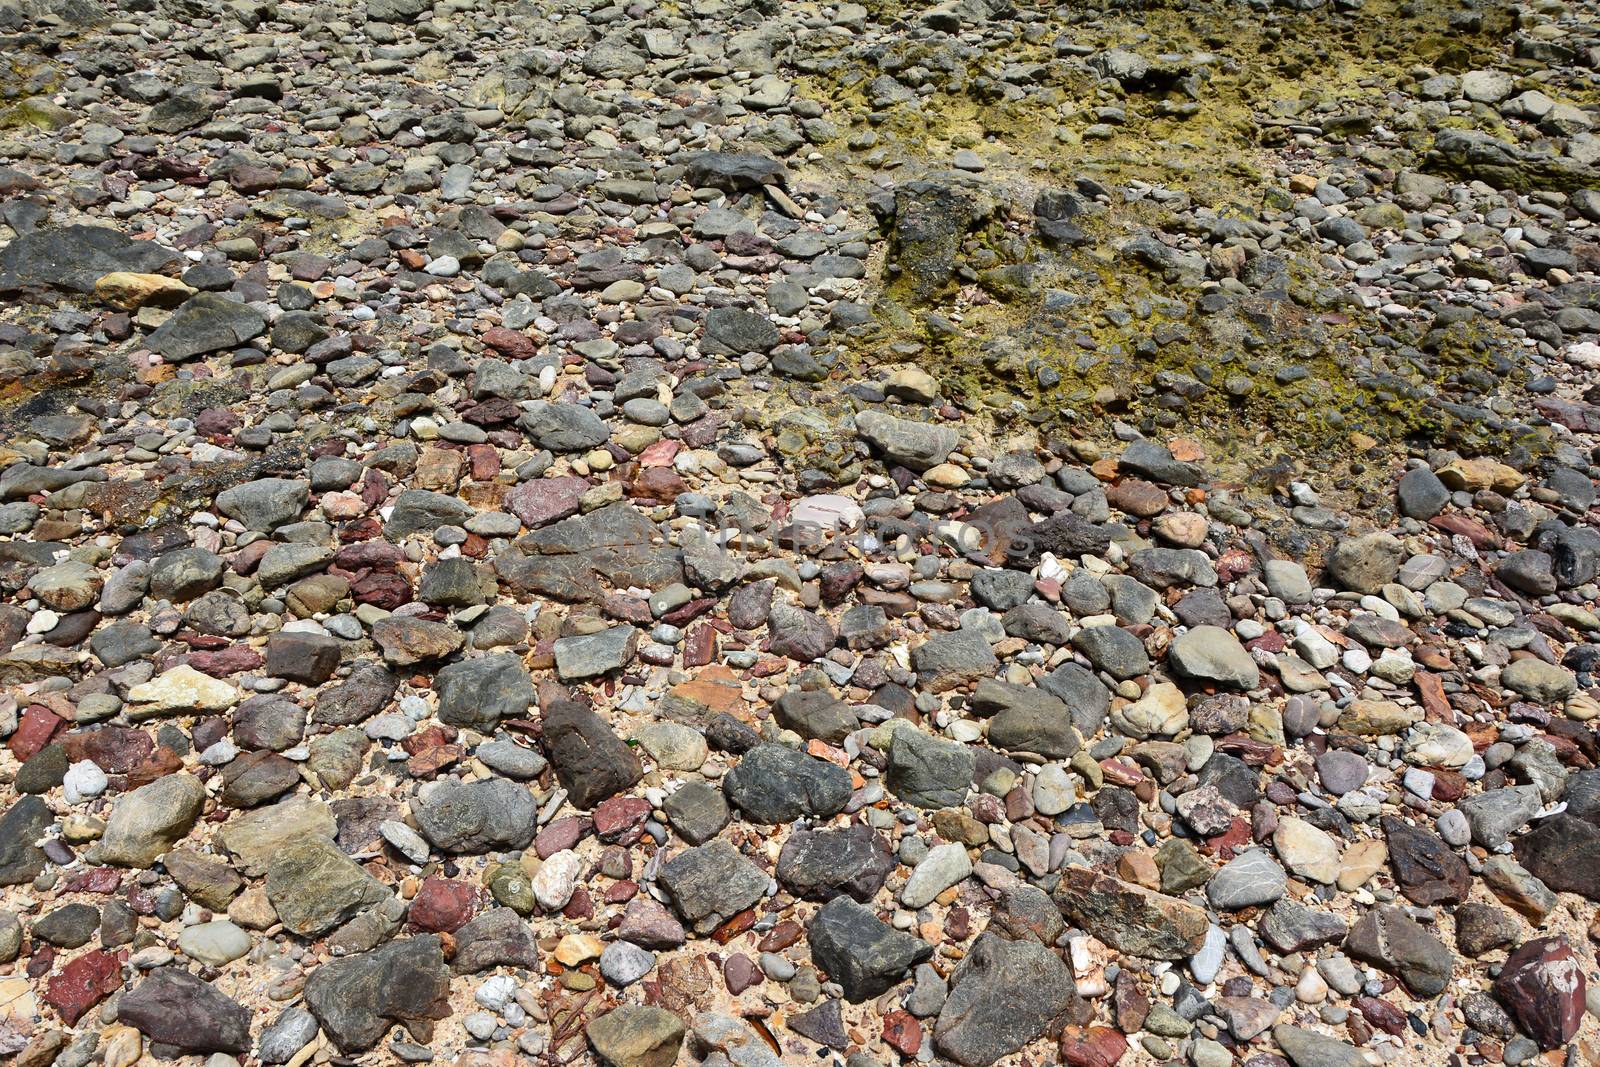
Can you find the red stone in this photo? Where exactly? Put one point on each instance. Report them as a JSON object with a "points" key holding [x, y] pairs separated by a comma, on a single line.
{"points": [[432, 737], [660, 454], [544, 500], [621, 819], [690, 611], [95, 880], [700, 646], [1543, 986], [114, 749], [561, 834], [383, 590], [740, 973], [162, 762], [734, 926], [1271, 641], [248, 558], [780, 937], [581, 906], [484, 462], [1481, 536], [220, 664], [622, 892], [510, 342], [1381, 1014], [1121, 771], [39, 724], [443, 905], [84, 982], [661, 485], [902, 1032], [1233, 565], [1130, 1003], [1097, 1046], [429, 763]]}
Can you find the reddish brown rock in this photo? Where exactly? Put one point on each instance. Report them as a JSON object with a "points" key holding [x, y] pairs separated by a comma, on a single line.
{"points": [[1095, 1046], [1542, 985], [902, 1032], [544, 500], [84, 982], [114, 749], [39, 724], [443, 905], [621, 819]]}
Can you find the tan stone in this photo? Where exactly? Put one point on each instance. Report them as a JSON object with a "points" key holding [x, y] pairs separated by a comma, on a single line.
{"points": [[128, 291], [1360, 862]]}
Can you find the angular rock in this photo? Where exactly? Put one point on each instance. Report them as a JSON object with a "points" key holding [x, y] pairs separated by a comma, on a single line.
{"points": [[358, 998], [865, 955], [1003, 995], [1131, 918]]}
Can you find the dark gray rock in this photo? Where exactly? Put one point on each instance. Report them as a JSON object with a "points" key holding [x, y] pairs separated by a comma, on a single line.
{"points": [[776, 784], [820, 864], [928, 772], [710, 884], [206, 323], [175, 1008], [497, 938], [478, 693], [865, 955], [74, 257], [358, 998], [591, 762], [1003, 995], [697, 811], [1388, 938]]}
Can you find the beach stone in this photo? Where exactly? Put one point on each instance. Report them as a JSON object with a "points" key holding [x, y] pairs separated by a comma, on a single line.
{"points": [[1131, 918], [864, 955], [1003, 994], [775, 784], [175, 1008], [636, 1035], [150, 820], [358, 998]]}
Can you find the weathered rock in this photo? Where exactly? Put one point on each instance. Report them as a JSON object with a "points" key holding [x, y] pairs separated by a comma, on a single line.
{"points": [[175, 1008], [494, 814], [150, 820], [1130, 918], [774, 784], [1389, 938], [1543, 986], [591, 762], [1002, 996], [636, 1035], [710, 884], [863, 954], [358, 998]]}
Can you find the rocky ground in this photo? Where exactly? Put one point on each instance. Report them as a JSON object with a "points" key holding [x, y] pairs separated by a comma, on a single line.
{"points": [[741, 532]]}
